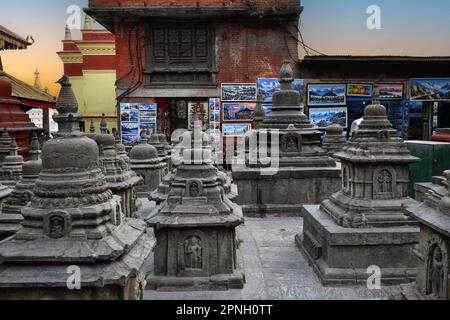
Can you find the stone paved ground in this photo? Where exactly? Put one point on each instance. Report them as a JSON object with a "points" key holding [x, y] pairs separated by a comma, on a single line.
{"points": [[276, 270]]}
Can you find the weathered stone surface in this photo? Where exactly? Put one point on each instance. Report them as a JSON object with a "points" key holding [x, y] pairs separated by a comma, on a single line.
{"points": [[161, 147], [196, 244], [295, 157], [341, 256], [363, 224], [149, 166], [11, 213], [160, 195], [433, 279], [5, 144], [276, 270], [74, 218], [117, 170], [334, 140], [11, 170]]}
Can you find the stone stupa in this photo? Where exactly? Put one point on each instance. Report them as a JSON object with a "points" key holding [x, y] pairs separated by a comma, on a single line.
{"points": [[433, 278], [5, 144], [195, 228], [334, 140], [148, 165], [11, 213], [121, 179], [363, 224], [155, 141], [74, 227], [301, 172], [11, 170]]}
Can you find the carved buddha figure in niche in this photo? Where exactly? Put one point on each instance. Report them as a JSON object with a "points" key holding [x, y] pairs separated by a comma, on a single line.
{"points": [[436, 273], [385, 181], [345, 177], [56, 227], [194, 189], [193, 252], [291, 144]]}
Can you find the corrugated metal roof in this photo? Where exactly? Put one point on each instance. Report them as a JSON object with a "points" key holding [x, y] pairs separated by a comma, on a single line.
{"points": [[23, 90], [8, 35], [374, 58]]}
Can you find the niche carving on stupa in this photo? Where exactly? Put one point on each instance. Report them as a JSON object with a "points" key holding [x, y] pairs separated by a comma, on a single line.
{"points": [[194, 188], [291, 142], [57, 224], [193, 253], [384, 182], [437, 273], [346, 179]]}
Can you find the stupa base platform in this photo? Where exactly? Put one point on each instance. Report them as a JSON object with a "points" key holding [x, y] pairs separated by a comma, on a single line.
{"points": [[121, 279], [9, 225], [220, 282], [284, 193], [214, 283], [411, 292], [342, 256]]}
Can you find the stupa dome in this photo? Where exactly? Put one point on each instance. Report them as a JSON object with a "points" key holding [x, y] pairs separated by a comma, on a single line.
{"points": [[143, 151], [375, 110], [70, 148], [81, 153], [334, 130]]}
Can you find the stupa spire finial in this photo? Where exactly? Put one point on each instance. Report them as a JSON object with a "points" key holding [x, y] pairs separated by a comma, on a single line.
{"points": [[92, 127], [68, 118], [13, 149], [286, 75], [104, 125], [35, 147]]}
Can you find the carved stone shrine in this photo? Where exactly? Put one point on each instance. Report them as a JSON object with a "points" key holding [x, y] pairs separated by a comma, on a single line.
{"points": [[196, 246], [5, 145], [148, 165], [11, 170], [73, 226], [116, 169], [11, 213], [300, 171], [154, 141], [363, 224], [334, 140], [433, 279]]}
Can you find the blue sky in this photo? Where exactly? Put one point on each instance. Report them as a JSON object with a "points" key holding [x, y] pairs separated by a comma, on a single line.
{"points": [[409, 27]]}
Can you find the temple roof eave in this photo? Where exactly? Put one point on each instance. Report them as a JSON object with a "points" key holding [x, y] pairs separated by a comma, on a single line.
{"points": [[107, 16]]}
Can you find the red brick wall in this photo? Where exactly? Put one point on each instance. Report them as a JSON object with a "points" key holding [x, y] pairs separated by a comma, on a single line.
{"points": [[243, 52]]}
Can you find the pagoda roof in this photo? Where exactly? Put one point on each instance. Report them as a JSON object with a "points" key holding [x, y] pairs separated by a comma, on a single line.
{"points": [[29, 94], [107, 13], [10, 40]]}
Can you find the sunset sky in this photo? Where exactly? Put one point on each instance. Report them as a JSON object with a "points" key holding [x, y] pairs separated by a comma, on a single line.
{"points": [[409, 27]]}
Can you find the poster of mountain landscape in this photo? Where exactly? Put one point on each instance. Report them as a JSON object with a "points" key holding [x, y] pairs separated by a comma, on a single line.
{"points": [[235, 92], [267, 87], [235, 130], [327, 94], [391, 91], [325, 117], [430, 89], [239, 111], [267, 108]]}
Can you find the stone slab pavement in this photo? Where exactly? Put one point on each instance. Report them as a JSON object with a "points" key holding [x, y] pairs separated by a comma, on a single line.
{"points": [[276, 269]]}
